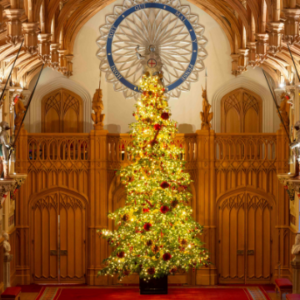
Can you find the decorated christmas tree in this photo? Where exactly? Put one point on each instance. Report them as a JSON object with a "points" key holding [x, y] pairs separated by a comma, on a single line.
{"points": [[156, 234]]}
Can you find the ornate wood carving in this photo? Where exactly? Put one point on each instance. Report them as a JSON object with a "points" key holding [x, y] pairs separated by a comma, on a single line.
{"points": [[58, 233], [62, 111], [241, 111], [244, 233], [65, 169]]}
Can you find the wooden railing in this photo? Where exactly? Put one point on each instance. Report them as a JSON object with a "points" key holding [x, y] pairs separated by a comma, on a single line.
{"points": [[58, 146], [245, 150], [118, 143], [235, 150]]}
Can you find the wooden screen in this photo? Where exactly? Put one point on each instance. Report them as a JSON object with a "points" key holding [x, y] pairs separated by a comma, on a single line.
{"points": [[245, 237], [58, 231], [62, 112], [241, 112]]}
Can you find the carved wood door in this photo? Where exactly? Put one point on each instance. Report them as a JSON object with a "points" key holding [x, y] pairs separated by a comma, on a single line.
{"points": [[245, 238], [58, 239]]}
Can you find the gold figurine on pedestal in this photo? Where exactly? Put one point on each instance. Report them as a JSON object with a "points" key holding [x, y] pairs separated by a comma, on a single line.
{"points": [[205, 115], [98, 107]]}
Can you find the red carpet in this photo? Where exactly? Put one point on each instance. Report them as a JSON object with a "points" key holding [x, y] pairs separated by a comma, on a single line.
{"points": [[217, 293]]}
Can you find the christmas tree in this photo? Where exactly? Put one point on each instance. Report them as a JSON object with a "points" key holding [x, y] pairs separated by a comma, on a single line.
{"points": [[156, 233]]}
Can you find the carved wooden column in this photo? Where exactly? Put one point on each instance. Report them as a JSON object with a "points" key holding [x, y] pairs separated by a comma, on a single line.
{"points": [[44, 46], [22, 221], [206, 214], [275, 37], [98, 193], [30, 37], [69, 65], [243, 60], [253, 62], [54, 55], [262, 45], [282, 213], [235, 64], [14, 26], [62, 61], [291, 25]]}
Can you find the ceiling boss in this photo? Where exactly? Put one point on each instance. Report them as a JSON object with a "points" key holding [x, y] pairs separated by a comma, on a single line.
{"points": [[140, 31]]}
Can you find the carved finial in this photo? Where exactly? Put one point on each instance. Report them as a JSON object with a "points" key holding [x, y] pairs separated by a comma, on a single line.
{"points": [[205, 116], [98, 107]]}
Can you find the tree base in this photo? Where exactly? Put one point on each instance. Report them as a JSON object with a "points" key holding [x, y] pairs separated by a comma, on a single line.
{"points": [[154, 286]]}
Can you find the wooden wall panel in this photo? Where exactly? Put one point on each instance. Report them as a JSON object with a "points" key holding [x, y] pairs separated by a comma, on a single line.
{"points": [[84, 165], [12, 240], [241, 112], [62, 111]]}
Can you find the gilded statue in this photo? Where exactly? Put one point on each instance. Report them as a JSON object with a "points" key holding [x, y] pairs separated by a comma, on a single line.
{"points": [[284, 109], [98, 107], [206, 116], [20, 110]]}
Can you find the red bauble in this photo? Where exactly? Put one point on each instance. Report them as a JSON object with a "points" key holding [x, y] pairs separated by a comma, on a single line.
{"points": [[146, 210], [121, 254], [164, 209], [165, 116], [164, 185], [157, 127], [145, 93], [147, 226], [151, 271], [167, 256]]}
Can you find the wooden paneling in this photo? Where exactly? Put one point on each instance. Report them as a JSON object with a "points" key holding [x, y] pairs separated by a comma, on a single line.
{"points": [[245, 236], [62, 111], [235, 189], [241, 111], [58, 235]]}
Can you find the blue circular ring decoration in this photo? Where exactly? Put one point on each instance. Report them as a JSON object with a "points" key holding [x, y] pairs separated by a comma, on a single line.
{"points": [[170, 9]]}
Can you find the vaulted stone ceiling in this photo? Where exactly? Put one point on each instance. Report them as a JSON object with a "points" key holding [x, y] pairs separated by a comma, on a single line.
{"points": [[258, 32]]}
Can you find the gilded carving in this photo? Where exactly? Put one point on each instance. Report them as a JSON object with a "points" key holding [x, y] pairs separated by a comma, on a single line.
{"points": [[98, 107], [206, 116]]}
